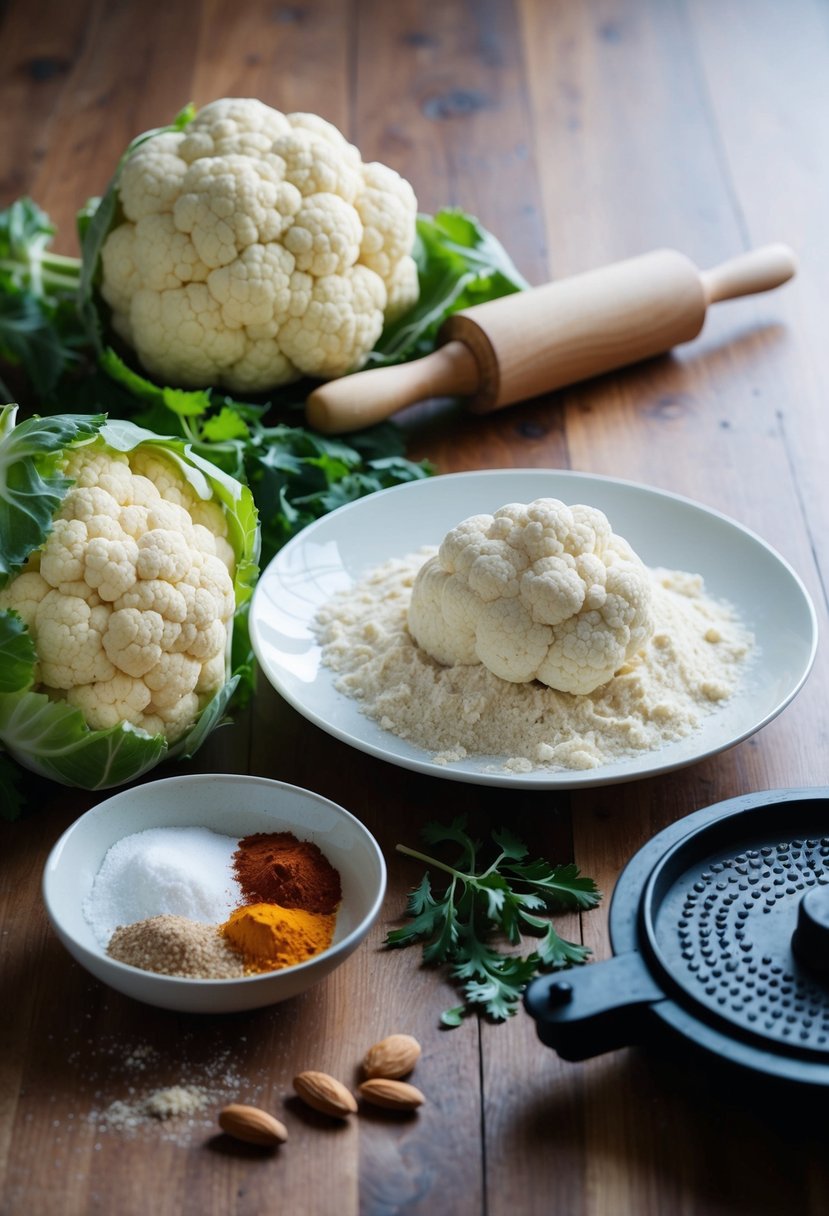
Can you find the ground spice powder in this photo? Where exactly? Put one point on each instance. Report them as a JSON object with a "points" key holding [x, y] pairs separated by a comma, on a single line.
{"points": [[175, 945], [271, 937], [277, 868]]}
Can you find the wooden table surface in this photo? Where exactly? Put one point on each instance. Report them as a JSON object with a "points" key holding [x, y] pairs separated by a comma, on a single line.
{"points": [[579, 133]]}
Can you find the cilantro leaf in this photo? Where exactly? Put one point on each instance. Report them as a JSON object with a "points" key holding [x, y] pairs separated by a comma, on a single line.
{"points": [[560, 886], [509, 844], [458, 927], [436, 833]]}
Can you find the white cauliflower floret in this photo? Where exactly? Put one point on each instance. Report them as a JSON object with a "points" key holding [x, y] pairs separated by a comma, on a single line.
{"points": [[151, 178], [110, 566], [173, 678], [325, 235], [176, 719], [180, 335], [131, 605], [167, 257], [236, 231], [403, 288], [387, 208], [24, 594], [69, 641], [315, 165], [109, 472], [342, 323], [133, 640], [256, 288], [539, 592], [163, 554], [62, 559], [232, 124], [300, 121], [108, 702], [230, 202], [121, 277], [151, 469]]}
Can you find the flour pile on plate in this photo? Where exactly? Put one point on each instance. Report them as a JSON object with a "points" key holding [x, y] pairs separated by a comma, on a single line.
{"points": [[692, 664]]}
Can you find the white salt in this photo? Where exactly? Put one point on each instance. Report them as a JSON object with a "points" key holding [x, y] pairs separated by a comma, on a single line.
{"points": [[176, 871]]}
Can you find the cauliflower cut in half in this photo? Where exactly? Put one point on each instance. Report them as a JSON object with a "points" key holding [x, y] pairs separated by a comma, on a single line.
{"points": [[121, 613], [534, 592], [256, 247]]}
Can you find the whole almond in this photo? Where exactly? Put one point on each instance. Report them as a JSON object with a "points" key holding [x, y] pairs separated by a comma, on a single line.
{"points": [[394, 1056], [252, 1125], [325, 1094], [393, 1095]]}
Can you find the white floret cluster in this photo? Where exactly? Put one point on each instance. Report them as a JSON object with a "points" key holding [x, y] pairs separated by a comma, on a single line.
{"points": [[257, 247], [130, 600], [534, 592]]}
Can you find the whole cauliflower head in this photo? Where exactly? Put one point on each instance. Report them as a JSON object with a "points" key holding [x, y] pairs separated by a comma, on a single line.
{"points": [[256, 247], [534, 592], [130, 601], [125, 564]]}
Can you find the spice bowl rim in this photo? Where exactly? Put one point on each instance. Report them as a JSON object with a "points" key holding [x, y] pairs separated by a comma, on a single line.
{"points": [[121, 814]]}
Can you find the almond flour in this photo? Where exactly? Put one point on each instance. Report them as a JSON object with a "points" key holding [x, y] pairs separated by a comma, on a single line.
{"points": [[692, 665], [175, 945]]}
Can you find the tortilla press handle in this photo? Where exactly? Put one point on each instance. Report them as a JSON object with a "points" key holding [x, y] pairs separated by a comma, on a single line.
{"points": [[594, 1009]]}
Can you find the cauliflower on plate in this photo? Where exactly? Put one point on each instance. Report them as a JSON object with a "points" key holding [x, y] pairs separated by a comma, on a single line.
{"points": [[534, 592]]}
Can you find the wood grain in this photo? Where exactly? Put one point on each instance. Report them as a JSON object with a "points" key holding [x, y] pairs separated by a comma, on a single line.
{"points": [[580, 134]]}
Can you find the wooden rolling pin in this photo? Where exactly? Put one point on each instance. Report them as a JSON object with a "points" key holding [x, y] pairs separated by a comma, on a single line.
{"points": [[538, 340]]}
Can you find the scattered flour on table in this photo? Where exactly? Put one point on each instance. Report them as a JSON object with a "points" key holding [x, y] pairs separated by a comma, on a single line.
{"points": [[692, 664], [174, 1102]]}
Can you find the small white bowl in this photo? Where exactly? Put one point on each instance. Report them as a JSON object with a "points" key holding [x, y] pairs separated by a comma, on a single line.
{"points": [[234, 805]]}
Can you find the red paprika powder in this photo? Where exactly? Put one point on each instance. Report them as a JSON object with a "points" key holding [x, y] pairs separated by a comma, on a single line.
{"points": [[277, 868]]}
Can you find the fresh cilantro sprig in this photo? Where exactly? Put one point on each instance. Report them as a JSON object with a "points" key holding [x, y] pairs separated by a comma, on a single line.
{"points": [[511, 896]]}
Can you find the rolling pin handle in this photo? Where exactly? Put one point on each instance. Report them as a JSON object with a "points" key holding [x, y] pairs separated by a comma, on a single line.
{"points": [[352, 402], [758, 270]]}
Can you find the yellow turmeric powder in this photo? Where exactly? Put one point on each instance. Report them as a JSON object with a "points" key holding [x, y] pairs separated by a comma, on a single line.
{"points": [[270, 937]]}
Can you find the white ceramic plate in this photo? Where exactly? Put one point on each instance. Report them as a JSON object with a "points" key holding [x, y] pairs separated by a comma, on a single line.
{"points": [[664, 529]]}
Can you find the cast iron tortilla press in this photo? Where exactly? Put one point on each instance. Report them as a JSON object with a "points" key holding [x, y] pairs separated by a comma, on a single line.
{"points": [[720, 935]]}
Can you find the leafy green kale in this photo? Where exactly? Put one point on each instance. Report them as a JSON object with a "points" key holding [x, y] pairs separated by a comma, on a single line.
{"points": [[40, 330], [457, 926], [459, 264]]}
